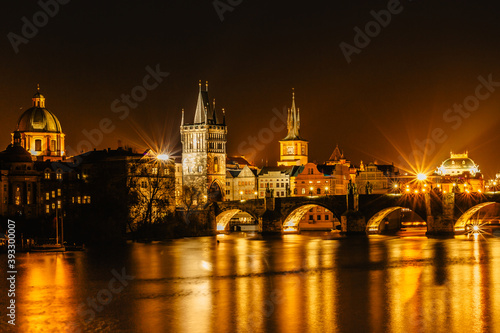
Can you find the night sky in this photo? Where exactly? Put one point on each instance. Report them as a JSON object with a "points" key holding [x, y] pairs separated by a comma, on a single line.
{"points": [[394, 93]]}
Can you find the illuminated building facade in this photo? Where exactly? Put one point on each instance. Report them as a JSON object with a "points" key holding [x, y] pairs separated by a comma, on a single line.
{"points": [[277, 179], [459, 173], [204, 150], [241, 184], [340, 169], [41, 132], [375, 178], [294, 150]]}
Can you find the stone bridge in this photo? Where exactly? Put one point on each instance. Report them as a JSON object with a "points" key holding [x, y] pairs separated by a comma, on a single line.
{"points": [[445, 214]]}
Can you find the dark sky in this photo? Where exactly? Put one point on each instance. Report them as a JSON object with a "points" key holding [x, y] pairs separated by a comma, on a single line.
{"points": [[390, 97]]}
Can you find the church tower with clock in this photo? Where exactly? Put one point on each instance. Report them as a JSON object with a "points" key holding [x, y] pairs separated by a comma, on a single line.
{"points": [[293, 148]]}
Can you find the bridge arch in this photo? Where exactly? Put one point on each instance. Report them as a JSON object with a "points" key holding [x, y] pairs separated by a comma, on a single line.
{"points": [[223, 219], [295, 215], [391, 215], [466, 217]]}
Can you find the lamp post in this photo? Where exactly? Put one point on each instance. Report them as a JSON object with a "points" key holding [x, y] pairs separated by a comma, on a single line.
{"points": [[241, 195], [326, 190], [311, 191]]}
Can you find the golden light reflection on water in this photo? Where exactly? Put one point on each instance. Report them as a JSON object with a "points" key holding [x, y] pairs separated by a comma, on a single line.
{"points": [[293, 284], [46, 293]]}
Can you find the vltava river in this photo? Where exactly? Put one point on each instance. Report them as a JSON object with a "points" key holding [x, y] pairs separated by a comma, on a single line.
{"points": [[299, 283]]}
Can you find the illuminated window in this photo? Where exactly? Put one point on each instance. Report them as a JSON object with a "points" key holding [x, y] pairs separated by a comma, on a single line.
{"points": [[47, 175], [47, 196], [72, 199], [47, 209], [53, 206], [53, 194], [59, 174], [38, 145], [88, 199], [59, 204], [79, 200], [303, 191], [53, 145], [154, 171], [59, 192]]}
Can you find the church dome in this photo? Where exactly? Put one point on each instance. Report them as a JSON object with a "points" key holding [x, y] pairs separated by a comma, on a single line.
{"points": [[457, 164], [38, 118]]}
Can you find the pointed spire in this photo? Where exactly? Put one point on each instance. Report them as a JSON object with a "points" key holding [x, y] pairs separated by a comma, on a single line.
{"points": [[206, 85], [214, 114], [223, 117], [293, 123], [200, 116], [182, 119]]}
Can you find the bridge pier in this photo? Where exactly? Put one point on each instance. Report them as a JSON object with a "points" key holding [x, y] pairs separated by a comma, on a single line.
{"points": [[352, 222], [442, 225]]}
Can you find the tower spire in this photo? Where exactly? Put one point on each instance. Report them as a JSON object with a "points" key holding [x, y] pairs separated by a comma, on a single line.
{"points": [[293, 121], [223, 117], [182, 118], [200, 116]]}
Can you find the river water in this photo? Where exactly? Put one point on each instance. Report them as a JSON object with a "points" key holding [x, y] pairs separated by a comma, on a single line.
{"points": [[297, 283]]}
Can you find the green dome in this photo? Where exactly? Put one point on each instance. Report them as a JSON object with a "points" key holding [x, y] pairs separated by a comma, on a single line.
{"points": [[38, 119]]}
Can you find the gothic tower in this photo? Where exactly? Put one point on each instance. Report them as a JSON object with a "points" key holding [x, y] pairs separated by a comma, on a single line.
{"points": [[293, 149], [204, 150]]}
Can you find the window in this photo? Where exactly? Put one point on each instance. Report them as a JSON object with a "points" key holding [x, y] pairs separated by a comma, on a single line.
{"points": [[53, 194], [47, 209], [79, 200], [154, 171], [59, 204], [327, 217], [38, 145], [52, 145], [311, 218], [319, 217], [318, 191], [216, 164], [200, 169], [294, 191], [59, 174], [59, 192], [47, 196], [53, 206], [47, 175], [303, 191]]}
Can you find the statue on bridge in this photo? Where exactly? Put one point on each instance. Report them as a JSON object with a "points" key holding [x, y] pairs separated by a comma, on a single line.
{"points": [[352, 188], [369, 188]]}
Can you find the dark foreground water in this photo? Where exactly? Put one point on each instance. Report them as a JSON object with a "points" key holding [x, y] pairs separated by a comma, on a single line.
{"points": [[300, 283]]}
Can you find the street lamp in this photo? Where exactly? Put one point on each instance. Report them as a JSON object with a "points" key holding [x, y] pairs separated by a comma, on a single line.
{"points": [[311, 191], [326, 190], [421, 176], [255, 193], [163, 157], [241, 195]]}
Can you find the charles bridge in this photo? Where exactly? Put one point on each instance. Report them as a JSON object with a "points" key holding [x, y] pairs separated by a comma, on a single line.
{"points": [[445, 214]]}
